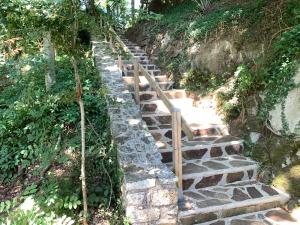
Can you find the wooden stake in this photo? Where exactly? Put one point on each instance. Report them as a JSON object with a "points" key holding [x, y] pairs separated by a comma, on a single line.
{"points": [[120, 63], [177, 154], [136, 81], [82, 128]]}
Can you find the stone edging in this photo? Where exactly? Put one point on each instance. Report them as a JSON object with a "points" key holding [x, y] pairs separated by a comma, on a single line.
{"points": [[149, 187]]}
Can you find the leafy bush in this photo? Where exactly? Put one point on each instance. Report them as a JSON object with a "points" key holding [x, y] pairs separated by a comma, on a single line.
{"points": [[143, 15], [31, 122], [30, 213], [280, 70], [201, 82], [204, 5], [229, 109], [246, 83]]}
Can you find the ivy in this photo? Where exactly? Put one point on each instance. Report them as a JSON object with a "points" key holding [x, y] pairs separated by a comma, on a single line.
{"points": [[279, 73], [284, 121]]}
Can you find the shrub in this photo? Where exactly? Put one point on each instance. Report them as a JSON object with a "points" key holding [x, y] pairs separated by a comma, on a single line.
{"points": [[204, 5]]}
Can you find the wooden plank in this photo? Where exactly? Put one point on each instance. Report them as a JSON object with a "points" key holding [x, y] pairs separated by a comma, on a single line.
{"points": [[166, 101], [120, 63], [187, 130], [177, 153], [136, 81], [126, 49], [156, 87], [177, 119]]}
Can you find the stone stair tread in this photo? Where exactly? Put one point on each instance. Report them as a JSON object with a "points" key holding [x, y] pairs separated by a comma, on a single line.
{"points": [[145, 87], [217, 165], [220, 186], [163, 131], [143, 80], [195, 117], [167, 146], [150, 64], [212, 203], [231, 147], [156, 77], [208, 148], [152, 95], [167, 92], [276, 216], [164, 111], [160, 82]]}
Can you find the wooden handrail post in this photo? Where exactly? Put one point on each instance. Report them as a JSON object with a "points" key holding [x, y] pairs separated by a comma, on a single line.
{"points": [[110, 42], [136, 81], [177, 154], [120, 63]]}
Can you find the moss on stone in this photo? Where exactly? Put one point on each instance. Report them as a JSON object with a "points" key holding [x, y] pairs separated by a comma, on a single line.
{"points": [[289, 180]]}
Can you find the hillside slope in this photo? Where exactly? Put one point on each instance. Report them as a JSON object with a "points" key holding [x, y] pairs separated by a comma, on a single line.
{"points": [[254, 46]]}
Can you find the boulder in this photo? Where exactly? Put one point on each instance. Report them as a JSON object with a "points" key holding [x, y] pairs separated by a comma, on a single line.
{"points": [[219, 56], [291, 110]]}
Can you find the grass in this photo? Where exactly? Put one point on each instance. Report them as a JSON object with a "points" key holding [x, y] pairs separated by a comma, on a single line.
{"points": [[289, 180]]}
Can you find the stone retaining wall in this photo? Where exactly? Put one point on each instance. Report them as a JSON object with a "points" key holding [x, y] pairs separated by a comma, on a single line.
{"points": [[149, 187]]}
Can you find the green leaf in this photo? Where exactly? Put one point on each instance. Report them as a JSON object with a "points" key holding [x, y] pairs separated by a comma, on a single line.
{"points": [[2, 207]]}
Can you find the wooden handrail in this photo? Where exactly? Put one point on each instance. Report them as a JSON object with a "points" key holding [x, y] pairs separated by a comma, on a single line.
{"points": [[136, 81], [165, 99], [178, 122], [156, 88], [177, 153]]}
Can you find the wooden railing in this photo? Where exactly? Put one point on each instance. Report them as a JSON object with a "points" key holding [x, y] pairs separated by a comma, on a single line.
{"points": [[175, 112]]}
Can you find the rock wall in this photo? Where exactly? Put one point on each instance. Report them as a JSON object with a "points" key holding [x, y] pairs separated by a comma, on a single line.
{"points": [[217, 55], [149, 187], [290, 110]]}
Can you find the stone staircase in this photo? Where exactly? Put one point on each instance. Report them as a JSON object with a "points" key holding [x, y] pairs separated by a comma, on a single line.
{"points": [[220, 184]]}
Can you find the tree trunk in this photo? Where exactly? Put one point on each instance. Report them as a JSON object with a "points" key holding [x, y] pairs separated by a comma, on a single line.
{"points": [[82, 125], [90, 7], [49, 53], [132, 11]]}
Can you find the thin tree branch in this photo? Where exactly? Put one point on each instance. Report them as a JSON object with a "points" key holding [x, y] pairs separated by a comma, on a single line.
{"points": [[82, 125]]}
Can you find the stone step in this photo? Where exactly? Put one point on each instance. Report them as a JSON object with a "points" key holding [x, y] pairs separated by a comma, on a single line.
{"points": [[209, 152], [137, 51], [275, 216], [200, 121], [161, 78], [205, 130], [145, 86], [155, 73], [144, 61], [139, 54], [205, 149], [163, 133], [150, 67], [142, 58], [217, 171], [146, 66], [218, 202], [131, 45], [134, 47], [208, 131], [152, 95], [220, 186], [130, 73]]}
